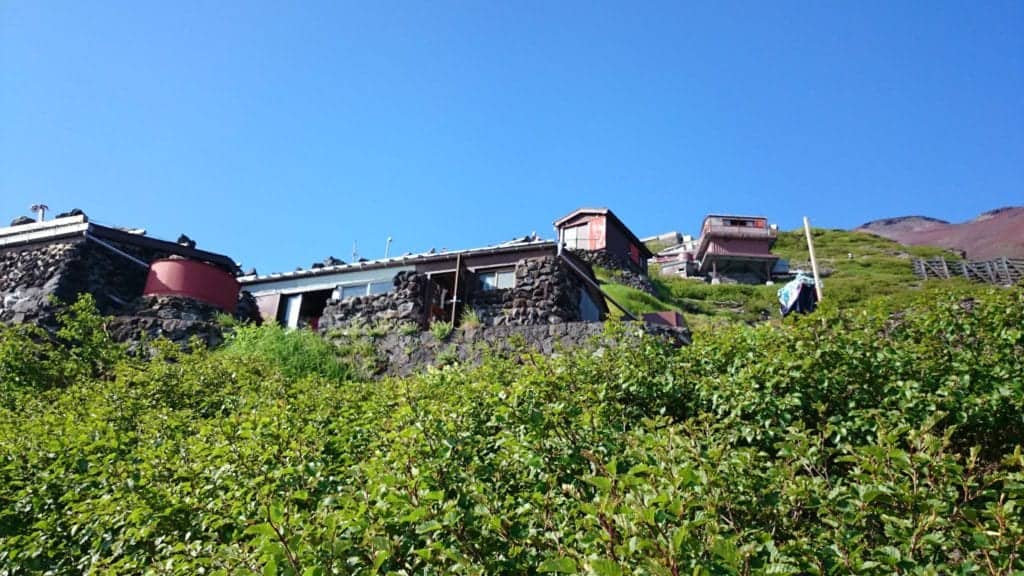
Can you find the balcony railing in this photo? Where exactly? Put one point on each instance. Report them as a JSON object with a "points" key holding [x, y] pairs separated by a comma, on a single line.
{"points": [[738, 231]]}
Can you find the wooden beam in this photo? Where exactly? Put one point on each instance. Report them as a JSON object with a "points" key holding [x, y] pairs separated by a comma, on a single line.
{"points": [[455, 291], [814, 261]]}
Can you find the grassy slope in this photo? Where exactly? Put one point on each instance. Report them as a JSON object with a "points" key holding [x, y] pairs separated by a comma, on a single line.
{"points": [[878, 268]]}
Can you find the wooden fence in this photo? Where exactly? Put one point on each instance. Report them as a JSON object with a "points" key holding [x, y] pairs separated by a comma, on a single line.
{"points": [[1004, 270]]}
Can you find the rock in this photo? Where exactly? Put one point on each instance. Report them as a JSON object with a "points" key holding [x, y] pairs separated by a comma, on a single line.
{"points": [[72, 212]]}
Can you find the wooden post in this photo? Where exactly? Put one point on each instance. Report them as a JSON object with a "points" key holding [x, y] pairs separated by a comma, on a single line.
{"points": [[814, 261], [455, 292]]}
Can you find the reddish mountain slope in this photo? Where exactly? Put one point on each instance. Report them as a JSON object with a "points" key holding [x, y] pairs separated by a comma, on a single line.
{"points": [[995, 233]]}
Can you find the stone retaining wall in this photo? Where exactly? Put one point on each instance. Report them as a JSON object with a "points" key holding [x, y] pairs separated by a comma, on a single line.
{"points": [[545, 292], [175, 318], [404, 354], [403, 305]]}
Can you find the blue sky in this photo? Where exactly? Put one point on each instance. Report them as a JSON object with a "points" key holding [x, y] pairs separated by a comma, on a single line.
{"points": [[279, 133]]}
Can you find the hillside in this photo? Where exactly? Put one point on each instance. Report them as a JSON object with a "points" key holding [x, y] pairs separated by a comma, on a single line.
{"points": [[840, 443], [992, 234], [860, 268]]}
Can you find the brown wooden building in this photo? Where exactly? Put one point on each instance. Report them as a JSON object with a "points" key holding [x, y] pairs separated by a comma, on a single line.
{"points": [[737, 247], [600, 230]]}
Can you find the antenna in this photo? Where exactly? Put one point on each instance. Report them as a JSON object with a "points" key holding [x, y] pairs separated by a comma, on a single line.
{"points": [[355, 250], [387, 247], [40, 210]]}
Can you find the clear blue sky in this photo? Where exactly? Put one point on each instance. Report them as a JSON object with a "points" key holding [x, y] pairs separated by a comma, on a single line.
{"points": [[278, 133]]}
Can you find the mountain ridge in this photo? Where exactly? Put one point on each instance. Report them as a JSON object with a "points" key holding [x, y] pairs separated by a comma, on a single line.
{"points": [[991, 234]]}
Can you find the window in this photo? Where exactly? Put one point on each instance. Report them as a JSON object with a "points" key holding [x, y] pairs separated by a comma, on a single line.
{"points": [[577, 237], [363, 289], [589, 312], [497, 280], [353, 291]]}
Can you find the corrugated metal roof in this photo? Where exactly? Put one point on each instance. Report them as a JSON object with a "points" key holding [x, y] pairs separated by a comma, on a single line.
{"points": [[420, 258]]}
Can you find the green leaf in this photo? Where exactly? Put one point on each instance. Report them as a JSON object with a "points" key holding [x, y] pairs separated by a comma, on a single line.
{"points": [[379, 558], [276, 514], [429, 526], [604, 567], [603, 484], [561, 565], [261, 529]]}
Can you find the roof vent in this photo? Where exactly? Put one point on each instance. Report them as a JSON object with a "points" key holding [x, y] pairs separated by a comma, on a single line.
{"points": [[40, 210]]}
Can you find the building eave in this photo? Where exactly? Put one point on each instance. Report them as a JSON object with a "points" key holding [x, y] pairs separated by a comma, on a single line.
{"points": [[397, 261], [79, 226]]}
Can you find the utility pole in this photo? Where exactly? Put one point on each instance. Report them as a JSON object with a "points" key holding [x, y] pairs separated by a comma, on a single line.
{"points": [[814, 261]]}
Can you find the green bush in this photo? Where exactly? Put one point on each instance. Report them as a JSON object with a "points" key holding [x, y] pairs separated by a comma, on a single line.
{"points": [[297, 352], [845, 442], [33, 360], [440, 330]]}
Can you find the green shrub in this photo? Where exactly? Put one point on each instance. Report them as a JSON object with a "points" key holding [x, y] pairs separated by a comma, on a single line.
{"points": [[440, 330], [297, 352], [845, 442], [469, 318], [33, 360], [408, 328]]}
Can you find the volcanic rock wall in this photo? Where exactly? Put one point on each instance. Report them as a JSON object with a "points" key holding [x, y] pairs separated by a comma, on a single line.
{"points": [[404, 354], [546, 291], [403, 305], [32, 277], [36, 280]]}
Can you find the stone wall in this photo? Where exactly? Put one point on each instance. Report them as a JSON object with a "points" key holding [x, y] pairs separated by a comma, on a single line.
{"points": [[31, 276], [404, 304], [175, 318], [28, 278], [624, 272], [403, 354], [546, 292]]}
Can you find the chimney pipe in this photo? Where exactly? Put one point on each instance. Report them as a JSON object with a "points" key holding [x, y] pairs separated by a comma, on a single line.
{"points": [[40, 210]]}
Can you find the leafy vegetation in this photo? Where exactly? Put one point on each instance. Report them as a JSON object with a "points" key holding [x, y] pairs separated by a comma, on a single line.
{"points": [[847, 442], [469, 318], [440, 330], [859, 268], [294, 352]]}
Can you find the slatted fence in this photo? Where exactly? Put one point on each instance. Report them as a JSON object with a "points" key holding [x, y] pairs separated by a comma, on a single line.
{"points": [[1006, 271]]}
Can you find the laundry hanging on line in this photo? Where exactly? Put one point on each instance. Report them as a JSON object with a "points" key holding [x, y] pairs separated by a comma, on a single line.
{"points": [[798, 295]]}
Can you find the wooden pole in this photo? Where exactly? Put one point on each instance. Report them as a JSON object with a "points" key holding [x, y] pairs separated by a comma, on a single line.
{"points": [[814, 261], [455, 292]]}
